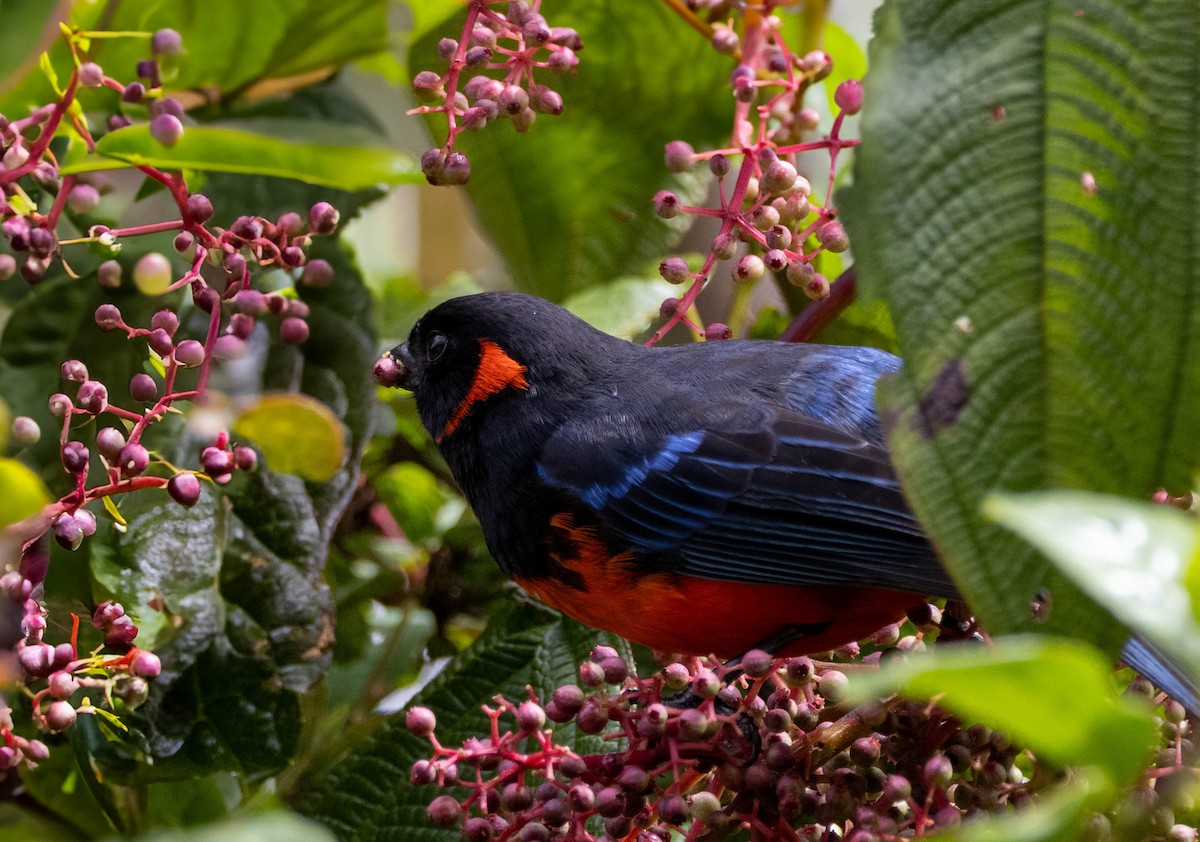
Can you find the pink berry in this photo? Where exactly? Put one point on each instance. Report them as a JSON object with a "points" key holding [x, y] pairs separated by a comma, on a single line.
{"points": [[83, 198], [92, 397], [420, 722], [184, 489], [143, 388], [293, 330], [108, 317], [323, 218], [145, 664], [108, 274], [189, 353], [166, 129], [675, 270], [199, 207], [166, 42], [73, 370], [317, 273], [133, 459], [60, 715], [91, 75], [849, 96]]}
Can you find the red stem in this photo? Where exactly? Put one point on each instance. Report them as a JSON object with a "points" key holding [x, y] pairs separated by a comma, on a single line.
{"points": [[43, 140]]}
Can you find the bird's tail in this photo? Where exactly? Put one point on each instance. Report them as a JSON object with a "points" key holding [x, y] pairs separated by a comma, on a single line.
{"points": [[1148, 660]]}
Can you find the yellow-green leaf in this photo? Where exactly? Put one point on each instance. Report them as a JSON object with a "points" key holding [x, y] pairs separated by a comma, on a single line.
{"points": [[297, 434], [24, 494]]}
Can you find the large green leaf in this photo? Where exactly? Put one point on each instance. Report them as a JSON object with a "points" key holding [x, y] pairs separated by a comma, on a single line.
{"points": [[568, 203], [1138, 560], [228, 45], [1051, 332], [27, 23], [231, 44], [365, 795], [274, 826], [330, 155]]}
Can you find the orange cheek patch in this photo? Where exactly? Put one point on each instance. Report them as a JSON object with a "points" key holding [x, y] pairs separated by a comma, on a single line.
{"points": [[495, 372]]}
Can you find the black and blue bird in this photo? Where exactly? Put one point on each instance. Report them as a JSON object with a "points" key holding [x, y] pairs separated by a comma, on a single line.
{"points": [[705, 498]]}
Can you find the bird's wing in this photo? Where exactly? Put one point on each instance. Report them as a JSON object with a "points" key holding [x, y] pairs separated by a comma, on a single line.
{"points": [[764, 495]]}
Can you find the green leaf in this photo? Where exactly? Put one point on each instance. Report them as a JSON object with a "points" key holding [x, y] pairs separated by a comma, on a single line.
{"points": [[625, 307], [1133, 558], [24, 492], [274, 826], [23, 825], [229, 45], [1051, 335], [365, 794], [568, 203], [297, 435], [316, 153], [1055, 697], [28, 26]]}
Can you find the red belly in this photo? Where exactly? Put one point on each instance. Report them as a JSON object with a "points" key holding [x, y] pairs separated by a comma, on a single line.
{"points": [[691, 616]]}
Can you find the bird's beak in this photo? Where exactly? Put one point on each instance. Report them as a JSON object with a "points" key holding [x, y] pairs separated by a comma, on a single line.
{"points": [[395, 369]]}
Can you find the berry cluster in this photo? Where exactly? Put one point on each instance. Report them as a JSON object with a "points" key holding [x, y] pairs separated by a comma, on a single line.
{"points": [[120, 673], [765, 203], [517, 43], [769, 746], [222, 267]]}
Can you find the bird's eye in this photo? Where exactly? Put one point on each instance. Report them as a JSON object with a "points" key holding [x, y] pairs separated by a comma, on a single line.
{"points": [[435, 346]]}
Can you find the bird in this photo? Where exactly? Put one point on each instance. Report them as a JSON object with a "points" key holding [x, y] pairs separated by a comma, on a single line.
{"points": [[699, 499]]}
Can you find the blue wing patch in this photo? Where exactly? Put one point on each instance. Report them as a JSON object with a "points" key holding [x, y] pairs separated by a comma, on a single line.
{"points": [[598, 495]]}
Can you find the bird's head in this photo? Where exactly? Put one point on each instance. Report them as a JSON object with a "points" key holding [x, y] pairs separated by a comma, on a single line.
{"points": [[470, 355]]}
